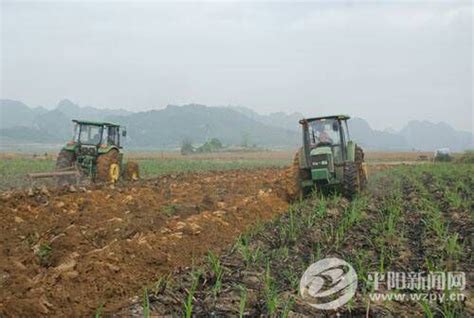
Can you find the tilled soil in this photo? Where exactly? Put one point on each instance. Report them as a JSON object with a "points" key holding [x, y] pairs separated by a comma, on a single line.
{"points": [[260, 274], [67, 252]]}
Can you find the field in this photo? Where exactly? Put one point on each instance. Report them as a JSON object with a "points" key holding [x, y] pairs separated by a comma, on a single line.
{"points": [[224, 234], [14, 167], [416, 218]]}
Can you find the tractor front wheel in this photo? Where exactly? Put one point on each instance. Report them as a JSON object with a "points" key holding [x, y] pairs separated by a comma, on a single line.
{"points": [[108, 167], [350, 180]]}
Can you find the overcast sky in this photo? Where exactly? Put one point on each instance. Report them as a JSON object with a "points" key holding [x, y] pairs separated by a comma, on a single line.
{"points": [[388, 63]]}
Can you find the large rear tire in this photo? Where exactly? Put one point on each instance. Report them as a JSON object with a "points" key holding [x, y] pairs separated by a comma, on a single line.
{"points": [[350, 180], [108, 167]]}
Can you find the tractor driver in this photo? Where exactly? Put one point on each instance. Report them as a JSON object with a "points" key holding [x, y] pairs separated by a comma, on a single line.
{"points": [[322, 134], [324, 137]]}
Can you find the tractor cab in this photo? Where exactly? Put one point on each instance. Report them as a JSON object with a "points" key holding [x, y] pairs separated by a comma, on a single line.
{"points": [[326, 142], [328, 155], [99, 134]]}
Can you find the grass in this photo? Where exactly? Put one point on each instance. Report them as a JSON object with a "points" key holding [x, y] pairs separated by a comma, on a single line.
{"points": [[156, 167], [217, 270], [270, 291], [242, 300], [288, 306], [452, 247], [98, 312], [13, 171], [146, 304], [466, 157], [188, 304], [249, 255]]}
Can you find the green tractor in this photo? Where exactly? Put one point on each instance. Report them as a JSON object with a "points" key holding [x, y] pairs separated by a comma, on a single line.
{"points": [[94, 152], [329, 159]]}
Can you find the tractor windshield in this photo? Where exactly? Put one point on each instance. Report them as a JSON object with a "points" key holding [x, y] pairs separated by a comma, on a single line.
{"points": [[324, 131], [88, 134]]}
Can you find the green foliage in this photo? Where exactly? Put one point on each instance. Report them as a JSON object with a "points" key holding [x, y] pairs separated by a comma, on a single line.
{"points": [[249, 255], [13, 171], [217, 270], [98, 312], [169, 210], [212, 145], [242, 301], [162, 283], [443, 158], [428, 313], [466, 157], [453, 198], [289, 230], [270, 292], [146, 304], [452, 247], [288, 305], [188, 304]]}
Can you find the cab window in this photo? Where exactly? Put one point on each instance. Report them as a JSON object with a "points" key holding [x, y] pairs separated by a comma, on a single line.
{"points": [[90, 134], [345, 132], [112, 136], [322, 131]]}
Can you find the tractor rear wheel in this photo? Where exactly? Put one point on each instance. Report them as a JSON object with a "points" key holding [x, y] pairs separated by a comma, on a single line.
{"points": [[350, 180], [65, 161], [359, 159], [132, 171], [108, 167]]}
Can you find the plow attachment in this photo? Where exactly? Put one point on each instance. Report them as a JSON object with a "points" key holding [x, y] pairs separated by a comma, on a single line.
{"points": [[39, 175]]}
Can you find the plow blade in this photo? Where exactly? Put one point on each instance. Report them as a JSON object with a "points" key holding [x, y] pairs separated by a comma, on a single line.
{"points": [[39, 175]]}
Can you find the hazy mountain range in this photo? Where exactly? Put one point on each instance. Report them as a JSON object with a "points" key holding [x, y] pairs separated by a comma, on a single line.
{"points": [[21, 125]]}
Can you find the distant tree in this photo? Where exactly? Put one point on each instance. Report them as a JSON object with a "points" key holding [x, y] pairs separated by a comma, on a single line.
{"points": [[187, 147], [212, 145], [215, 143]]}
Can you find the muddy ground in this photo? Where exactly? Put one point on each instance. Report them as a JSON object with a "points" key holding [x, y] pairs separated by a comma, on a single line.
{"points": [[67, 252]]}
